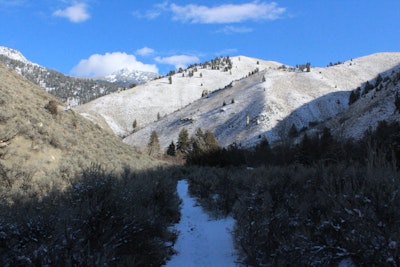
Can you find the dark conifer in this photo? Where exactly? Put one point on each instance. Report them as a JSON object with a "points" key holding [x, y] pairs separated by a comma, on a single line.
{"points": [[183, 142], [171, 151]]}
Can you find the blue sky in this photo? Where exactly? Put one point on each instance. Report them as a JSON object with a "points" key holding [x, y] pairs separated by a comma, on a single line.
{"points": [[96, 37]]}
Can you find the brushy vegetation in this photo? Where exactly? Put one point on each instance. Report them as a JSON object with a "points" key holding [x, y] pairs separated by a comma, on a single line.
{"points": [[102, 219], [43, 146], [314, 203], [307, 215], [52, 107], [57, 208]]}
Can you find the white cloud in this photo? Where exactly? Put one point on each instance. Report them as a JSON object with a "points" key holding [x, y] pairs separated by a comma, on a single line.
{"points": [[152, 13], [227, 13], [179, 61], [75, 13], [101, 65], [145, 51], [233, 29]]}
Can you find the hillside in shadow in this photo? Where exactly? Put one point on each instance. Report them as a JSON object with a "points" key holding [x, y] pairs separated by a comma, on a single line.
{"points": [[347, 114]]}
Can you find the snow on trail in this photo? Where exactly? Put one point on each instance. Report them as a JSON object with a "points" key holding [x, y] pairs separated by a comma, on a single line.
{"points": [[202, 242]]}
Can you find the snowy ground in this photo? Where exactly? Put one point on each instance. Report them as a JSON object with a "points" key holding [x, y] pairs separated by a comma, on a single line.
{"points": [[267, 103], [202, 242]]}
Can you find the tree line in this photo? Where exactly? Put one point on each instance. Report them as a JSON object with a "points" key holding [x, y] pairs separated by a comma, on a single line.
{"points": [[312, 203]]}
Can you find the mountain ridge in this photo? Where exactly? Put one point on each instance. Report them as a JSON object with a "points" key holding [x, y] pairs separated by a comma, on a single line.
{"points": [[239, 98], [129, 77], [148, 102], [14, 54], [71, 90], [254, 98]]}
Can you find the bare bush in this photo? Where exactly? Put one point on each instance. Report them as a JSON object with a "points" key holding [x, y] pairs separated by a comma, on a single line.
{"points": [[101, 220], [52, 107], [307, 215]]}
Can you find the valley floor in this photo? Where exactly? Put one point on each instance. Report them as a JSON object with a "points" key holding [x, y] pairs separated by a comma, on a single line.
{"points": [[202, 241]]}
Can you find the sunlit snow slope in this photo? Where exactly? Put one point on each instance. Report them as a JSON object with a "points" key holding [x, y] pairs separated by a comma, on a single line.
{"points": [[264, 102], [157, 98], [257, 106]]}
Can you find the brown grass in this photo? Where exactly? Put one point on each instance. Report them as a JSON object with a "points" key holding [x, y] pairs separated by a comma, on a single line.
{"points": [[50, 145]]}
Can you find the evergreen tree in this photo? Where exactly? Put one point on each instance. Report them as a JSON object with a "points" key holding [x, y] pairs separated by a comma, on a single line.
{"points": [[305, 150], [204, 148], [293, 131], [326, 144], [378, 80], [170, 79], [199, 133], [397, 102], [171, 151], [354, 96], [367, 88], [197, 141], [199, 136], [262, 152], [308, 66], [183, 142], [153, 145], [210, 141]]}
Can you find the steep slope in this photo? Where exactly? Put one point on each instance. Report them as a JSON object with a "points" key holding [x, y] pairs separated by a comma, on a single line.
{"points": [[381, 102], [44, 145], [69, 89], [146, 103], [271, 105], [14, 55]]}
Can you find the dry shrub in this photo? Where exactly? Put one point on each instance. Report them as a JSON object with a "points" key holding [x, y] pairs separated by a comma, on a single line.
{"points": [[52, 107], [103, 219], [308, 216]]}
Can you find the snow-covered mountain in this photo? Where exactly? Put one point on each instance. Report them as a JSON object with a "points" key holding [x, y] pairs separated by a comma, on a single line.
{"points": [[129, 77], [149, 102], [14, 54], [373, 102], [69, 89], [250, 99]]}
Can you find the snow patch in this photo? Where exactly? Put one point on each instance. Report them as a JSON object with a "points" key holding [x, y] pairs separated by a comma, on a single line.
{"points": [[202, 242], [14, 54]]}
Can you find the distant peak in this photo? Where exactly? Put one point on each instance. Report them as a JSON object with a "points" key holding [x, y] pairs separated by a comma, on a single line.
{"points": [[127, 76], [14, 54]]}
